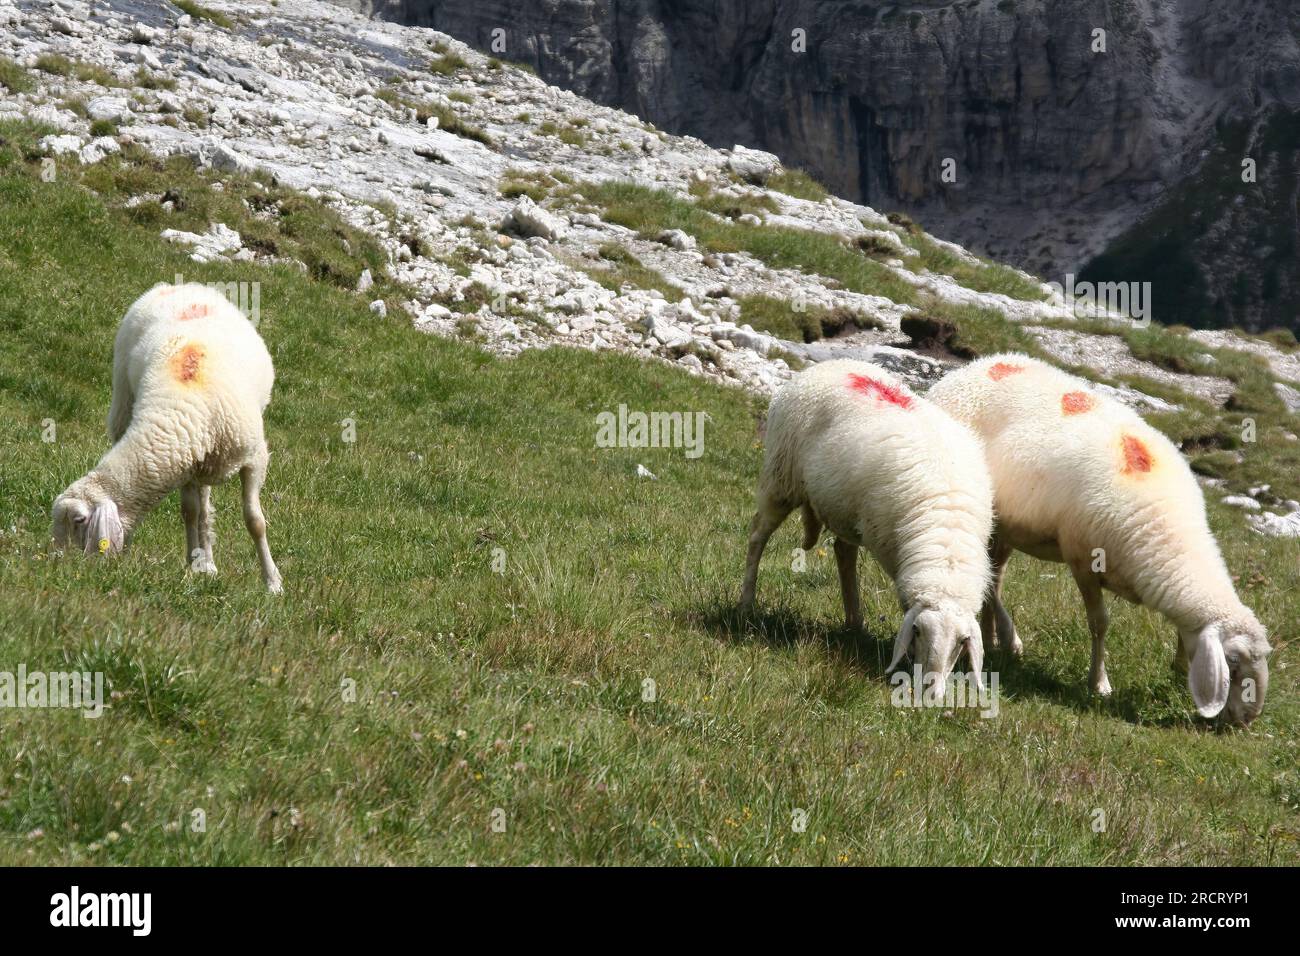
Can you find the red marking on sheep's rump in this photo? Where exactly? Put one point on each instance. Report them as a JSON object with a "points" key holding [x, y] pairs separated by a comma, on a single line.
{"points": [[196, 310], [1137, 457], [1076, 403], [1001, 370], [187, 363], [886, 393]]}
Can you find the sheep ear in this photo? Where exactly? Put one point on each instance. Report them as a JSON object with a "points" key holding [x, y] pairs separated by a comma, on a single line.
{"points": [[104, 532], [975, 651], [903, 643], [1208, 677]]}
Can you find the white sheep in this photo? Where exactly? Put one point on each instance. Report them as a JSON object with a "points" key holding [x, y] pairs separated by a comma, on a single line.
{"points": [[1081, 479], [885, 470], [191, 378]]}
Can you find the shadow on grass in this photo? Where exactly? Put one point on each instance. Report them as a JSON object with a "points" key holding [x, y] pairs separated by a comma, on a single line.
{"points": [[1164, 703], [866, 650]]}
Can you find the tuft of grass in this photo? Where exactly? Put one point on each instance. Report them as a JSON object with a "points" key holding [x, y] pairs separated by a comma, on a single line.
{"points": [[1281, 338], [448, 119], [58, 65], [571, 133], [536, 185], [980, 331], [650, 211], [876, 247], [904, 222], [54, 64], [797, 183], [149, 80], [200, 12], [981, 276], [196, 116], [729, 206], [624, 269], [778, 317], [448, 63], [14, 77]]}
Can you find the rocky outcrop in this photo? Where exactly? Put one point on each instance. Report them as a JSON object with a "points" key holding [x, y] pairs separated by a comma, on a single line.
{"points": [[482, 184], [1057, 137]]}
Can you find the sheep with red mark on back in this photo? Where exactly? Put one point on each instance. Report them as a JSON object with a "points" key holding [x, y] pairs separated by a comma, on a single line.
{"points": [[886, 470], [191, 379], [1081, 479]]}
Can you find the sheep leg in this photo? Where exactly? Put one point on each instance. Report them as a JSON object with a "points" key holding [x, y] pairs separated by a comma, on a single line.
{"points": [[251, 477], [766, 520], [846, 557], [1095, 604], [196, 509], [996, 626], [206, 536], [190, 515]]}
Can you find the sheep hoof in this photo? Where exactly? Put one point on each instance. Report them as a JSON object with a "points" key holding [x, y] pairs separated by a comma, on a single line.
{"points": [[1102, 687], [1015, 647], [275, 587]]}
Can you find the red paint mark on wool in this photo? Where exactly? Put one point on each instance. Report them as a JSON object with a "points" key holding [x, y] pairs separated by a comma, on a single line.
{"points": [[1076, 403], [1137, 457], [1001, 370], [187, 364], [196, 311], [886, 393]]}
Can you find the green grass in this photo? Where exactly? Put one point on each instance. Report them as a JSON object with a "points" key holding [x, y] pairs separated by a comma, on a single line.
{"points": [[778, 317], [448, 119], [981, 276], [148, 80], [524, 690], [291, 226], [571, 133], [57, 65], [980, 331], [534, 184], [200, 12], [13, 77], [797, 183], [729, 206], [448, 63], [651, 211], [620, 267]]}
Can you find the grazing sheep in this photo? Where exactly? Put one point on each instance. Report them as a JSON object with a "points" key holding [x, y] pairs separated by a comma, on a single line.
{"points": [[885, 470], [1079, 478], [191, 378]]}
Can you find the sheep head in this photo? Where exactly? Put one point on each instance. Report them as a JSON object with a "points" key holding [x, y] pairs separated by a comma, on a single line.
{"points": [[935, 637], [1228, 668], [88, 521]]}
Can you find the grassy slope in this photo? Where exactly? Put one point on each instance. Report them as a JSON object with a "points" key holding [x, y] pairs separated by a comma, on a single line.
{"points": [[523, 690]]}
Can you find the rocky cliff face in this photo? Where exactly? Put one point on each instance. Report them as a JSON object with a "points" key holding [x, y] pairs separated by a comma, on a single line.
{"points": [[1057, 137]]}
